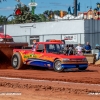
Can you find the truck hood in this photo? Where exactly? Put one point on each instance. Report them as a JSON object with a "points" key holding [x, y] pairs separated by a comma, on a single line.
{"points": [[68, 56]]}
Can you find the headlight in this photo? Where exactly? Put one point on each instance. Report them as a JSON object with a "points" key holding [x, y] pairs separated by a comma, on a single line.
{"points": [[84, 59], [65, 60]]}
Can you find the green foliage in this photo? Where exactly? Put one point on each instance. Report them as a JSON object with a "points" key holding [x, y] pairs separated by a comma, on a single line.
{"points": [[2, 19], [2, 0], [26, 16], [57, 12]]}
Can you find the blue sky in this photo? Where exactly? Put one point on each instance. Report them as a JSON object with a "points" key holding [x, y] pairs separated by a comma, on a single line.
{"points": [[7, 7]]}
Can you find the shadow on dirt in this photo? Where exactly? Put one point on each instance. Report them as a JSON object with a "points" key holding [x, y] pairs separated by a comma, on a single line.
{"points": [[39, 68], [77, 70], [65, 70]]}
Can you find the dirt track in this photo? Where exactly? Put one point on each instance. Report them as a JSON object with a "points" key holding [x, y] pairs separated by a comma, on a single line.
{"points": [[50, 85]]}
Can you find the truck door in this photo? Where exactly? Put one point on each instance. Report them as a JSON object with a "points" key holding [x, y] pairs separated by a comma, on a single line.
{"points": [[40, 51], [39, 56]]}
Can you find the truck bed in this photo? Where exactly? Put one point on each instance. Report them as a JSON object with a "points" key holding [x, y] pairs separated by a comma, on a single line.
{"points": [[13, 44]]}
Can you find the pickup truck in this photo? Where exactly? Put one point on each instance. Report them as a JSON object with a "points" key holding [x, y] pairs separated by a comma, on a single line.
{"points": [[48, 54]]}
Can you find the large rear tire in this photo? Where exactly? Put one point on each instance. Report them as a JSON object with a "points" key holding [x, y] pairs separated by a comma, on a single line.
{"points": [[16, 61], [57, 66]]}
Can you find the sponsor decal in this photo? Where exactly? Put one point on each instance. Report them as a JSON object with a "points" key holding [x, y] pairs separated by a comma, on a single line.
{"points": [[30, 56], [70, 38]]}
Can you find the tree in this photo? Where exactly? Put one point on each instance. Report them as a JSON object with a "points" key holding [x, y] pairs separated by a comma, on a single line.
{"points": [[57, 12], [2, 19], [26, 16], [49, 14], [2, 0]]}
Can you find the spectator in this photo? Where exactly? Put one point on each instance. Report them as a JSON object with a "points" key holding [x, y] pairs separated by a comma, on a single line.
{"points": [[34, 45], [71, 49], [63, 44], [79, 49], [87, 48], [66, 49]]}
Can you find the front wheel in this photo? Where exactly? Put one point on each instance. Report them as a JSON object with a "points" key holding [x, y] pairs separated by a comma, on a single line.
{"points": [[17, 61], [57, 66]]}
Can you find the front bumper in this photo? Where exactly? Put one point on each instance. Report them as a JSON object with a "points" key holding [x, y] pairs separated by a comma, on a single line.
{"points": [[74, 65]]}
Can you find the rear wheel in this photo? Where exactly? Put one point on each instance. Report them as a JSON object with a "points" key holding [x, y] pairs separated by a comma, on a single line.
{"points": [[57, 66], [17, 61]]}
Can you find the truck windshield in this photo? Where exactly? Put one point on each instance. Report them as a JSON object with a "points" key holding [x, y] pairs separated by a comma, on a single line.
{"points": [[53, 48]]}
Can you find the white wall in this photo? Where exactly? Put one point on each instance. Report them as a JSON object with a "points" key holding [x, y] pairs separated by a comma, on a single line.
{"points": [[52, 37], [42, 28], [60, 27]]}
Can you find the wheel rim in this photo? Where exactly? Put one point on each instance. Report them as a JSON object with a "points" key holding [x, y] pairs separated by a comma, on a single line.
{"points": [[15, 61], [58, 65]]}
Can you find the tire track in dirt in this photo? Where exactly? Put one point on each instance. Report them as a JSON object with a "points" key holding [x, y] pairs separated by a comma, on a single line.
{"points": [[85, 80], [49, 86], [29, 75], [91, 75]]}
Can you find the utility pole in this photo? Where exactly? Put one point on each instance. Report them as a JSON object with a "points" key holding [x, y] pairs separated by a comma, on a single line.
{"points": [[75, 7]]}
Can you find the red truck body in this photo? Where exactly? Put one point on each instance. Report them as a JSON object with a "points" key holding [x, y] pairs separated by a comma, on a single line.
{"points": [[47, 54]]}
